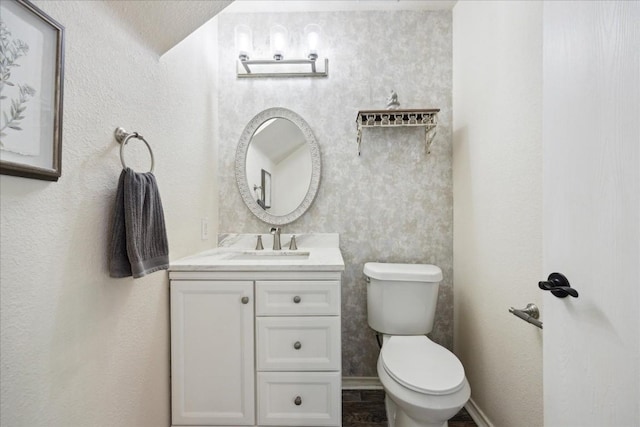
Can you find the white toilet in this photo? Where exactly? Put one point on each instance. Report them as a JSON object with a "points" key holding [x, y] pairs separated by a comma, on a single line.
{"points": [[424, 383]]}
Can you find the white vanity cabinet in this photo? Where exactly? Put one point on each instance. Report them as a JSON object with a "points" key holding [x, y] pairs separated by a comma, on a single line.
{"points": [[256, 348]]}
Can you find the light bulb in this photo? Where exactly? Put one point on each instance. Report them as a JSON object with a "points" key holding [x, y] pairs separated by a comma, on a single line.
{"points": [[278, 38], [244, 41], [313, 39], [312, 34]]}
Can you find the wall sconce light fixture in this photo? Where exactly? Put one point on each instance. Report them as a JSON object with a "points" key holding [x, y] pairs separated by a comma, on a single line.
{"points": [[280, 65]]}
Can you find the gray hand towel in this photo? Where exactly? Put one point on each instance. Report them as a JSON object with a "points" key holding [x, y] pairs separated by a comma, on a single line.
{"points": [[139, 239]]}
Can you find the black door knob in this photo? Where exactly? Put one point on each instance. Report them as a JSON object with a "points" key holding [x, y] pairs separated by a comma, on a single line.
{"points": [[558, 285]]}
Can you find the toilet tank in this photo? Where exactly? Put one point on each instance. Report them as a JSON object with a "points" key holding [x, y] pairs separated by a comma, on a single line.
{"points": [[402, 298]]}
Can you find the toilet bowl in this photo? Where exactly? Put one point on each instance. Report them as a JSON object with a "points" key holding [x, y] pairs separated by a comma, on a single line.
{"points": [[424, 383]]}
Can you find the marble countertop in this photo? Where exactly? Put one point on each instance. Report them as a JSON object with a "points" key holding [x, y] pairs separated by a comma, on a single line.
{"points": [[322, 249]]}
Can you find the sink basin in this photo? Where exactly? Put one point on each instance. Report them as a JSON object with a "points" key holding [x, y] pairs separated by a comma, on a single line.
{"points": [[271, 256]]}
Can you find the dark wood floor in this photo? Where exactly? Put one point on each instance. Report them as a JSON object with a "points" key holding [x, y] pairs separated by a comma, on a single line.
{"points": [[365, 408]]}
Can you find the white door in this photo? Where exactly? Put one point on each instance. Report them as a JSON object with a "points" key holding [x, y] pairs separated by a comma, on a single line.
{"points": [[212, 364], [591, 139]]}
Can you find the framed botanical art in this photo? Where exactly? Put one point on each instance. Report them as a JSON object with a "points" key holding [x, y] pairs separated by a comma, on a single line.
{"points": [[31, 80]]}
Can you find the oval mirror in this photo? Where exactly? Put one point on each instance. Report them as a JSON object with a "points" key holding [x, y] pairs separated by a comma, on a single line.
{"points": [[278, 166]]}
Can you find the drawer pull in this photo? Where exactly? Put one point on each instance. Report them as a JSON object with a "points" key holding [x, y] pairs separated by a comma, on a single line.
{"points": [[298, 401], [297, 299], [245, 300], [297, 345]]}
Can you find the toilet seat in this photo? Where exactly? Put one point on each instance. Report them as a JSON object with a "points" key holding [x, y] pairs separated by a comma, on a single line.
{"points": [[421, 365]]}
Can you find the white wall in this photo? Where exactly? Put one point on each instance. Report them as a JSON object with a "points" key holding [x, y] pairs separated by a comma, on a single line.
{"points": [[291, 180], [78, 348], [497, 180]]}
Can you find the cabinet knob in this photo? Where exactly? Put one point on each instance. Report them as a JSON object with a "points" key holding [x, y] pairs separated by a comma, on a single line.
{"points": [[297, 345], [298, 401], [297, 299], [245, 300]]}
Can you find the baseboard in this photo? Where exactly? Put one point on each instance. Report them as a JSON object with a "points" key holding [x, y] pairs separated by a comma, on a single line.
{"points": [[361, 383], [476, 413]]}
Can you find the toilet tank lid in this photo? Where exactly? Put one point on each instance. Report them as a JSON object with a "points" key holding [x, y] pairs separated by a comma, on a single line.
{"points": [[403, 272]]}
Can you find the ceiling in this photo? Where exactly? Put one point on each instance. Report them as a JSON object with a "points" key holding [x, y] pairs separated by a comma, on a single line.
{"points": [[260, 6], [162, 24], [277, 139]]}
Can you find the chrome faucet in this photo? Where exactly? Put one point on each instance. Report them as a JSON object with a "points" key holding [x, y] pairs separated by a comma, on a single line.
{"points": [[276, 238]]}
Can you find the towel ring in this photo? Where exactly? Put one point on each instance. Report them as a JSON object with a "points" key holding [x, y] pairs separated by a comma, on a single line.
{"points": [[122, 136]]}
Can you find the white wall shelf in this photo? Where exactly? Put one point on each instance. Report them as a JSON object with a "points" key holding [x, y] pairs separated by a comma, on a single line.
{"points": [[402, 117]]}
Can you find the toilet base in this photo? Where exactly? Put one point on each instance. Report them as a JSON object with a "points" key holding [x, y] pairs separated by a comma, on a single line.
{"points": [[400, 419]]}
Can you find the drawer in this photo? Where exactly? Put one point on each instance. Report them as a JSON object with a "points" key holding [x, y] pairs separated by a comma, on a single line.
{"points": [[298, 298], [299, 398], [298, 343]]}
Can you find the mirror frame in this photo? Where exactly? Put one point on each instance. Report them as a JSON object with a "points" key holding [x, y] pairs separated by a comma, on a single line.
{"points": [[241, 158]]}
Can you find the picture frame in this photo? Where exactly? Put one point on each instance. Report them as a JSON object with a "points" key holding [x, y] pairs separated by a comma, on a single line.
{"points": [[31, 91], [266, 189]]}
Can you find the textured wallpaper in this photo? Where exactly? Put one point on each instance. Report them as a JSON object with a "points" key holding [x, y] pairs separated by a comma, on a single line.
{"points": [[391, 204]]}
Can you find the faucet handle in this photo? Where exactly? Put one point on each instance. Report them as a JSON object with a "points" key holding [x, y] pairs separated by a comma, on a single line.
{"points": [[292, 244], [259, 246]]}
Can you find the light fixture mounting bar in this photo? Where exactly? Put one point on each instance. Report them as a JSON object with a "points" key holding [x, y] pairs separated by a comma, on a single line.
{"points": [[282, 68]]}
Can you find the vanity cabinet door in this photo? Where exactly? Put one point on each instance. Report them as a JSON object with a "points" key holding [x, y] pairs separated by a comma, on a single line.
{"points": [[212, 356]]}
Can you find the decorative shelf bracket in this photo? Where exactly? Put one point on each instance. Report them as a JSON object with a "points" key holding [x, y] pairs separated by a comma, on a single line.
{"points": [[428, 118]]}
